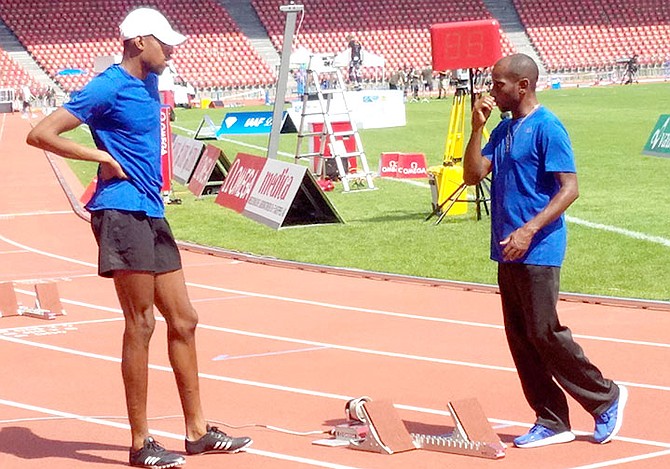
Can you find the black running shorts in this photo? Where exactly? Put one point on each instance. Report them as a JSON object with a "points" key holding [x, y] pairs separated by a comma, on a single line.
{"points": [[133, 241]]}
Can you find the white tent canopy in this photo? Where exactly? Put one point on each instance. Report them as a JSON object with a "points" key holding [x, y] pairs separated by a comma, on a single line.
{"points": [[370, 59], [301, 56]]}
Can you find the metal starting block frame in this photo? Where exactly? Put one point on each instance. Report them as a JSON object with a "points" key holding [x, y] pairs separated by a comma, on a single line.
{"points": [[47, 302], [472, 435]]}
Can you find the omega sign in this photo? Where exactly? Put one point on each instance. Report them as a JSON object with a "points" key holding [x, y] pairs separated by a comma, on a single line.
{"points": [[240, 181], [403, 165], [166, 149], [164, 130]]}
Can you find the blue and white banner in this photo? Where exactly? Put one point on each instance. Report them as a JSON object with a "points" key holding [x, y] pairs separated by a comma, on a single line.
{"points": [[246, 123], [370, 109]]}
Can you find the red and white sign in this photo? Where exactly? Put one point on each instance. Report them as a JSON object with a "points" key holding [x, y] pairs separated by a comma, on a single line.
{"points": [[273, 194], [403, 165], [266, 190], [204, 170], [166, 149], [411, 165], [242, 176], [388, 165]]}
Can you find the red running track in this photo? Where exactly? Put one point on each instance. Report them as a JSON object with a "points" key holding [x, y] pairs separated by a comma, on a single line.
{"points": [[285, 347]]}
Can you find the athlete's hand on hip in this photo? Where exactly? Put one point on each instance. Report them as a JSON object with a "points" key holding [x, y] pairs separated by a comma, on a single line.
{"points": [[110, 169]]}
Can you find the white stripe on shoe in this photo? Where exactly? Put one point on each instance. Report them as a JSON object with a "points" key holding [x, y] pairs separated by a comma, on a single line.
{"points": [[563, 437], [623, 398]]}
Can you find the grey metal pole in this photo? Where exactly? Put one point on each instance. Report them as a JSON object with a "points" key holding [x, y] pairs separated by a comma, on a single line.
{"points": [[291, 11]]}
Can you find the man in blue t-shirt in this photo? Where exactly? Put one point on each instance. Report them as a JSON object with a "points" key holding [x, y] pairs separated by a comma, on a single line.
{"points": [[534, 181], [121, 106]]}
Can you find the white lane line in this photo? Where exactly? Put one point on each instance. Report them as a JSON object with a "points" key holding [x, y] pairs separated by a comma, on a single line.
{"points": [[346, 348], [579, 221], [409, 316], [52, 277], [4, 216], [621, 231], [267, 354], [616, 462], [369, 311], [218, 298], [46, 254], [173, 436], [350, 308], [60, 324], [300, 391]]}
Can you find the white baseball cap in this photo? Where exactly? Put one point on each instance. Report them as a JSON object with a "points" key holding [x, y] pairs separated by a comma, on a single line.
{"points": [[149, 22]]}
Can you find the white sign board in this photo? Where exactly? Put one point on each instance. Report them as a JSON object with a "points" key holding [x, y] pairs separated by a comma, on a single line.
{"points": [[186, 152], [274, 191]]}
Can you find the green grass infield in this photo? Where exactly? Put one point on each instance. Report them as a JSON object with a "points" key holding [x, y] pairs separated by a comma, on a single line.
{"points": [[619, 234]]}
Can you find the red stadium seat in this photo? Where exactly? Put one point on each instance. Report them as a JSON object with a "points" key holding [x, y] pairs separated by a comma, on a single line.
{"points": [[590, 27]]}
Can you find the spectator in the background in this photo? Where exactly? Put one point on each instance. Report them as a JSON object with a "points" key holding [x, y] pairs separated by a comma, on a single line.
{"points": [[427, 78], [355, 61], [26, 101], [442, 84], [397, 80]]}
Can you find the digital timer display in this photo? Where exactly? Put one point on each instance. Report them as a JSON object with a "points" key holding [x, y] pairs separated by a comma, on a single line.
{"points": [[465, 44]]}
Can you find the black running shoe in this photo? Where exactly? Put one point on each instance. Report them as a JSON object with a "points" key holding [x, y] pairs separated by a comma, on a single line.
{"points": [[215, 441], [153, 455]]}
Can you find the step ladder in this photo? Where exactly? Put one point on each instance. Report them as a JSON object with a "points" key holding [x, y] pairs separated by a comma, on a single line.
{"points": [[320, 70]]}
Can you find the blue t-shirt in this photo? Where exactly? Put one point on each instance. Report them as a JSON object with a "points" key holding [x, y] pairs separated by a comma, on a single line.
{"points": [[525, 154], [123, 113]]}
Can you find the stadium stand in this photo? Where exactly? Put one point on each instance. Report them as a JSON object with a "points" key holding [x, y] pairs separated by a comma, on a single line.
{"points": [[587, 34], [65, 37], [12, 75], [398, 30]]}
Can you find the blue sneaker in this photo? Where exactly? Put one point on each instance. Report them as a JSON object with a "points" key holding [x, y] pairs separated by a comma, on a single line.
{"points": [[540, 435], [609, 422]]}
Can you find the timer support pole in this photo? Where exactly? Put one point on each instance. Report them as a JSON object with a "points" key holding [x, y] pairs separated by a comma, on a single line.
{"points": [[291, 11]]}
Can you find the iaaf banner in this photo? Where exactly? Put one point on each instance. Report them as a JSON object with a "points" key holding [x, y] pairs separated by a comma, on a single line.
{"points": [[253, 123]]}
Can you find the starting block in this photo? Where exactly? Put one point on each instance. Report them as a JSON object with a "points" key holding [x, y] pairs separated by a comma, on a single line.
{"points": [[47, 302], [8, 304], [386, 432], [472, 435]]}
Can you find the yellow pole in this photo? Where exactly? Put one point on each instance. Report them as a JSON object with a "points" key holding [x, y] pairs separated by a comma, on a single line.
{"points": [[456, 131]]}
